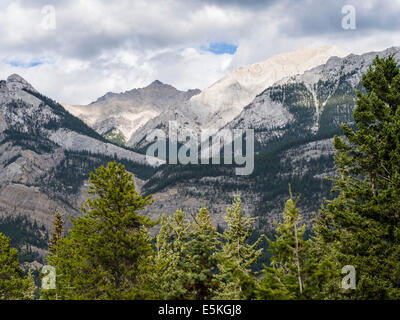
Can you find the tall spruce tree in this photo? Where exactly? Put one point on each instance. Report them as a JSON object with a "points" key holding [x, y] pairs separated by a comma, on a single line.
{"points": [[294, 271], [361, 226], [170, 246], [58, 225], [108, 252], [197, 268], [237, 255], [14, 285]]}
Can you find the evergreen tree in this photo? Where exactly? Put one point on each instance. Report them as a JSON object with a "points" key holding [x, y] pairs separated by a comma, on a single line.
{"points": [[14, 285], [57, 233], [295, 272], [197, 268], [237, 254], [30, 292], [58, 225], [108, 252], [361, 226], [171, 240]]}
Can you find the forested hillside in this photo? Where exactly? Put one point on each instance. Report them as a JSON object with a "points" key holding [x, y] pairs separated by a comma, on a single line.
{"points": [[350, 250]]}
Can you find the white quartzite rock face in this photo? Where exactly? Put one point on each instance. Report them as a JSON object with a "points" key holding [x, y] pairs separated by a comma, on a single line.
{"points": [[220, 103], [231, 94]]}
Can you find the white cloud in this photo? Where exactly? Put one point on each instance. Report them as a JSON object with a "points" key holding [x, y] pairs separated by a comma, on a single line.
{"points": [[100, 45]]}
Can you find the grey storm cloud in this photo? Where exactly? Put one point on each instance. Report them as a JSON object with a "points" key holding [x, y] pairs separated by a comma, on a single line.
{"points": [[305, 17], [312, 17], [121, 44], [86, 31], [77, 35], [248, 4]]}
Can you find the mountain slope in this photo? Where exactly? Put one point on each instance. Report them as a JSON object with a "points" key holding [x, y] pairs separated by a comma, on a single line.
{"points": [[314, 103], [294, 122], [123, 113], [219, 104], [46, 155]]}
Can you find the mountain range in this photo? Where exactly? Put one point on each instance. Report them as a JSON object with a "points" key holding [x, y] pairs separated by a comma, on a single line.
{"points": [[45, 156], [294, 121], [295, 102], [117, 116]]}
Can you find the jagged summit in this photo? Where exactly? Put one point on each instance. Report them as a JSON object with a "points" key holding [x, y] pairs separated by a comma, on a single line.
{"points": [[15, 77], [105, 97], [109, 95], [156, 83], [15, 82], [125, 112], [16, 87]]}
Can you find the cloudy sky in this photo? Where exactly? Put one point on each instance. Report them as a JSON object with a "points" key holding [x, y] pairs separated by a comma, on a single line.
{"points": [[77, 50]]}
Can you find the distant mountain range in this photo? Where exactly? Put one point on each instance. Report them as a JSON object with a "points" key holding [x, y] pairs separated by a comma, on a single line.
{"points": [[295, 102], [294, 121], [117, 116], [220, 103], [127, 117]]}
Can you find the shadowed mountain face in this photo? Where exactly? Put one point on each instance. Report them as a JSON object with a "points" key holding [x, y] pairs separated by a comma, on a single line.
{"points": [[46, 155], [117, 116]]}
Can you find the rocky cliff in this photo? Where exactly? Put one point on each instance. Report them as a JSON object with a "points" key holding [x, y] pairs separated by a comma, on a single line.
{"points": [[294, 121], [117, 116], [46, 155]]}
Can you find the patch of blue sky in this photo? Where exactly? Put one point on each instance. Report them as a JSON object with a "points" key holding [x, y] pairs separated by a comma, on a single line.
{"points": [[24, 64], [221, 48]]}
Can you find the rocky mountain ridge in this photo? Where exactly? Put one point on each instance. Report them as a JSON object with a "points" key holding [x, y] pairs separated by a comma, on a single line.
{"points": [[324, 91], [123, 113], [46, 155], [220, 103], [294, 121]]}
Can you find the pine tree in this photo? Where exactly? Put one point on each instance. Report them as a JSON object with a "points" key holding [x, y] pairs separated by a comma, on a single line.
{"points": [[196, 279], [171, 239], [57, 233], [58, 225], [361, 226], [237, 254], [14, 285], [294, 272], [29, 293], [108, 252]]}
